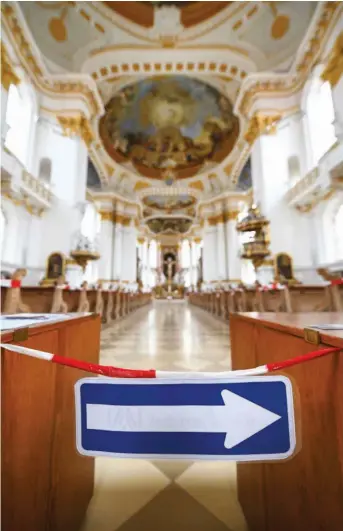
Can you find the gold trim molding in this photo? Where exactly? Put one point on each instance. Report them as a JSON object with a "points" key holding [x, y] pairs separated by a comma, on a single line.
{"points": [[287, 86], [30, 64], [334, 68], [114, 217], [8, 76]]}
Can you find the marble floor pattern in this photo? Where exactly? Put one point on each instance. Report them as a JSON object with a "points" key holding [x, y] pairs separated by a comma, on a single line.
{"points": [[175, 495]]}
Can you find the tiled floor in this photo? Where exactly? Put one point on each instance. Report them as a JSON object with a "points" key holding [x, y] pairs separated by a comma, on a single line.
{"points": [[141, 495]]}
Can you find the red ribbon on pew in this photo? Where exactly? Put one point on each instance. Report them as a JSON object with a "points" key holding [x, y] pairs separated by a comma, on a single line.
{"points": [[337, 282]]}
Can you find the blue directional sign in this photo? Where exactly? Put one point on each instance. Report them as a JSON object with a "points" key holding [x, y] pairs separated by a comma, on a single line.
{"points": [[240, 419]]}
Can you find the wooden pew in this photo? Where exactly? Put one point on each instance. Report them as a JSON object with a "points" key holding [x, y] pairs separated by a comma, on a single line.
{"points": [[46, 484], [306, 491], [116, 304], [291, 299]]}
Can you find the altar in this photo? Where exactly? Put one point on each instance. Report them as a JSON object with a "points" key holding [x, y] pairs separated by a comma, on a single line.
{"points": [[169, 291], [170, 285]]}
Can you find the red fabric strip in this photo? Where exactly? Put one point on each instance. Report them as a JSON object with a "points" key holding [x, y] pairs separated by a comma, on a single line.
{"points": [[337, 282], [301, 359], [15, 283], [104, 370]]}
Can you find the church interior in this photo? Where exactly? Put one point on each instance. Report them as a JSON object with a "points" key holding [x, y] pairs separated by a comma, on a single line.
{"points": [[171, 201]]}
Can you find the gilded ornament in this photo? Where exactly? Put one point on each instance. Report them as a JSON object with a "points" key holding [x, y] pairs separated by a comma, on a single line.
{"points": [[197, 185], [228, 169], [77, 125], [8, 76], [230, 215], [57, 27], [141, 185], [280, 24], [106, 215], [334, 68], [261, 124], [109, 169]]}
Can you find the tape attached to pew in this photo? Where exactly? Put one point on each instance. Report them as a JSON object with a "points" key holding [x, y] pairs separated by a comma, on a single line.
{"points": [[118, 372]]}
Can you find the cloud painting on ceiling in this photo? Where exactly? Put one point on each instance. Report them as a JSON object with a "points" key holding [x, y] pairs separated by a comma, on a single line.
{"points": [[169, 203], [93, 180], [169, 123]]}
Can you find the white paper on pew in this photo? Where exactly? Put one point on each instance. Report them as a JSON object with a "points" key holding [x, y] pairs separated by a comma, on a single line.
{"points": [[22, 320], [328, 326]]}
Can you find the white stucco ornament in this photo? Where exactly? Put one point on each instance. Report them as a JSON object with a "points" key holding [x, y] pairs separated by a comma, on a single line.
{"points": [[167, 22]]}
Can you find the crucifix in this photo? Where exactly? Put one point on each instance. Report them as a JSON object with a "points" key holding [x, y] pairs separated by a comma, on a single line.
{"points": [[169, 263]]}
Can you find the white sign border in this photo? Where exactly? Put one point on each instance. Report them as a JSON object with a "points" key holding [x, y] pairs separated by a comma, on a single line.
{"points": [[202, 457]]}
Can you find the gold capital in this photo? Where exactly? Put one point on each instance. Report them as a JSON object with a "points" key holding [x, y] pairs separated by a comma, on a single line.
{"points": [[8, 76], [334, 68]]}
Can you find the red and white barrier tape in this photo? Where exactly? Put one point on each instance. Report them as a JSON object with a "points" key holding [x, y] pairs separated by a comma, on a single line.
{"points": [[117, 372]]}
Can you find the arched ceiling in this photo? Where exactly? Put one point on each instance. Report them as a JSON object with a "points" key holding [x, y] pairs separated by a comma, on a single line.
{"points": [[169, 75], [191, 13]]}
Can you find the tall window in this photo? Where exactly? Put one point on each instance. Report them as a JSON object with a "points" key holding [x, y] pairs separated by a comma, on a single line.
{"points": [[153, 254], [90, 225], [293, 168], [3, 223], [320, 116], [18, 118], [45, 170], [338, 229], [185, 254]]}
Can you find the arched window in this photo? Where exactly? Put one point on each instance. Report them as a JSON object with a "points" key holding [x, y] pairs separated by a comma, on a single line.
{"points": [[3, 223], [90, 224], [293, 168], [44, 171], [185, 254], [320, 117], [338, 231], [19, 115], [153, 254]]}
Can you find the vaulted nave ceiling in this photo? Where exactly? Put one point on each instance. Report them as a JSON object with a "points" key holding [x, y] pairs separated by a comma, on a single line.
{"points": [[171, 80]]}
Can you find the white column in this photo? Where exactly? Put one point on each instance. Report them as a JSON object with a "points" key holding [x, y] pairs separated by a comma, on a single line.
{"points": [[221, 258], [145, 263], [209, 253], [34, 242], [337, 97], [105, 246], [290, 231], [69, 161], [233, 247], [128, 258], [4, 127], [117, 252]]}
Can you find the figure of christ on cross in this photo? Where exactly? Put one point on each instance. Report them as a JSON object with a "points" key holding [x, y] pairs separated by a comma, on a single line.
{"points": [[169, 264]]}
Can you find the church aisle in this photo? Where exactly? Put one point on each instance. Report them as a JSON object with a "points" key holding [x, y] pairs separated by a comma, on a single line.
{"points": [[137, 494]]}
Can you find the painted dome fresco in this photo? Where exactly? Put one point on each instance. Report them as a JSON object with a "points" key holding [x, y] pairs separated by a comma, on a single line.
{"points": [[169, 123], [169, 203]]}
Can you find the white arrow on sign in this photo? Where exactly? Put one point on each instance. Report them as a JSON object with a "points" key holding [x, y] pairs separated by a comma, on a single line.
{"points": [[238, 418]]}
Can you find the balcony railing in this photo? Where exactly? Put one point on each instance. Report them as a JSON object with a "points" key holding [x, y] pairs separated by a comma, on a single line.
{"points": [[18, 184]]}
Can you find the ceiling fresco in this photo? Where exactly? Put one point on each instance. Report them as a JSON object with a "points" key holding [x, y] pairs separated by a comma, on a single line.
{"points": [[169, 123], [169, 203], [169, 225]]}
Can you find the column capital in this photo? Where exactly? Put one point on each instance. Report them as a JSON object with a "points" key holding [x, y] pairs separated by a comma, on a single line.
{"points": [[106, 215], [231, 215]]}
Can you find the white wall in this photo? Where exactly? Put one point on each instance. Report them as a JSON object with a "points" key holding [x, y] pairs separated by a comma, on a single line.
{"points": [[69, 160]]}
